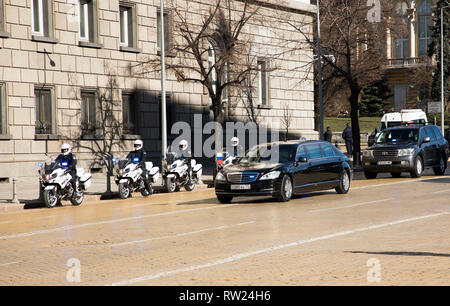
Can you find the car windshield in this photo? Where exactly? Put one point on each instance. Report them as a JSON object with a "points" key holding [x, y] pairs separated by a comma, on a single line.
{"points": [[269, 154], [398, 136]]}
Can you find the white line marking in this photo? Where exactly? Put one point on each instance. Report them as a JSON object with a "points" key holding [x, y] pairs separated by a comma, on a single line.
{"points": [[182, 234], [270, 249], [9, 263], [353, 205], [442, 191], [395, 183], [65, 228]]}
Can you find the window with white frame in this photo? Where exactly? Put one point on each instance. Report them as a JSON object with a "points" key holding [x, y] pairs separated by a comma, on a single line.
{"points": [[41, 19], [127, 25], [88, 21]]}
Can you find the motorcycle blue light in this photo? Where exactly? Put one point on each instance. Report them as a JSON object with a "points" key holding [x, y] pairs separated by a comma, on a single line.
{"points": [[40, 164], [64, 164], [136, 159], [113, 159]]}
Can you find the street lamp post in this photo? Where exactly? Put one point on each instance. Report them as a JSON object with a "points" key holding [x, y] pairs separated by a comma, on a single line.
{"points": [[442, 68], [319, 57], [163, 85]]}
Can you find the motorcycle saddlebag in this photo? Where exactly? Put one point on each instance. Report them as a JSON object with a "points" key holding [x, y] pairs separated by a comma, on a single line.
{"points": [[197, 170], [154, 174], [86, 180], [148, 166]]}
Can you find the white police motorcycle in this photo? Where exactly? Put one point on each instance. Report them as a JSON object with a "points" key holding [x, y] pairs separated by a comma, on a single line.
{"points": [[55, 183], [177, 172], [130, 177], [224, 159]]}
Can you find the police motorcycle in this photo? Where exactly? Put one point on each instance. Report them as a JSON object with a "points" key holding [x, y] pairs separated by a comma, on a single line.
{"points": [[130, 176], [224, 159], [55, 183], [182, 171]]}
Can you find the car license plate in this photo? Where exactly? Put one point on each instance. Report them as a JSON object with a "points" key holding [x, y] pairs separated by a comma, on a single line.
{"points": [[385, 162], [240, 187]]}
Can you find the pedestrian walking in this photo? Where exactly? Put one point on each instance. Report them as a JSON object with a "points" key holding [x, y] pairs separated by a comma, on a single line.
{"points": [[328, 134], [348, 138]]}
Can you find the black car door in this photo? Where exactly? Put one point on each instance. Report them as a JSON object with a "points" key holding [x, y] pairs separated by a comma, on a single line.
{"points": [[302, 172], [426, 147], [317, 163], [332, 165], [435, 146]]}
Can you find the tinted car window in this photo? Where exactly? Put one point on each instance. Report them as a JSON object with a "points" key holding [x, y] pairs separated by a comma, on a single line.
{"points": [[423, 133], [301, 152], [269, 153], [398, 136], [437, 132], [314, 151], [328, 150], [431, 133]]}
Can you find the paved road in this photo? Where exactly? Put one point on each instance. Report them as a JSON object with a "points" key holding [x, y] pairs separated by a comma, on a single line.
{"points": [[384, 232]]}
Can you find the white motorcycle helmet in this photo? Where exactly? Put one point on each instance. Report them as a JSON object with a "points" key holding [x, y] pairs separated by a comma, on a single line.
{"points": [[66, 149], [183, 145], [234, 141], [138, 144]]}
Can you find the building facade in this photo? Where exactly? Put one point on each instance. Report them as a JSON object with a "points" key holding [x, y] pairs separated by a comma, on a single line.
{"points": [[66, 65], [407, 55]]}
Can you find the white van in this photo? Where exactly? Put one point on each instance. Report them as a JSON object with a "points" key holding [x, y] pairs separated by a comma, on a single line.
{"points": [[404, 117]]}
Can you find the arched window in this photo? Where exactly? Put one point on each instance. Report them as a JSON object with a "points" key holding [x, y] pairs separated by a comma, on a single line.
{"points": [[424, 23], [401, 33]]}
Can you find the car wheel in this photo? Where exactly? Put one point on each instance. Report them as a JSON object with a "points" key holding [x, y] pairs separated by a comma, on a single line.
{"points": [[370, 175], [418, 167], [440, 170], [285, 189], [224, 199], [344, 183], [396, 174]]}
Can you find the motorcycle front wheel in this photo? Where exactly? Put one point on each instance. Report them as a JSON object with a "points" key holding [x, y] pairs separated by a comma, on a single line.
{"points": [[124, 191], [189, 186], [50, 198], [171, 185], [76, 201]]}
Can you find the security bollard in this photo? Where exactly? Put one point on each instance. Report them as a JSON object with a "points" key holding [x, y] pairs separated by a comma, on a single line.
{"points": [[14, 199]]}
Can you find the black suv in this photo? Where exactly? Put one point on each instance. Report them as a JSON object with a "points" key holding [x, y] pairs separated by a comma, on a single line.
{"points": [[406, 149]]}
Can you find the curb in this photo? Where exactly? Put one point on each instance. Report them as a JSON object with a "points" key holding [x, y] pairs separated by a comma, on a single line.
{"points": [[88, 198]]}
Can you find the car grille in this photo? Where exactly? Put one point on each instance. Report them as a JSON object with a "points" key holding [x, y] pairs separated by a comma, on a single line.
{"points": [[385, 153], [242, 177]]}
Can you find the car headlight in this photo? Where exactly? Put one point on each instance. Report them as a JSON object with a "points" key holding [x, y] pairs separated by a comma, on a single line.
{"points": [[220, 177], [271, 175], [405, 152], [368, 153]]}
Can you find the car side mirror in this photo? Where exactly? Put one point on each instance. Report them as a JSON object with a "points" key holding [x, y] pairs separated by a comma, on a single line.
{"points": [[302, 159], [426, 139]]}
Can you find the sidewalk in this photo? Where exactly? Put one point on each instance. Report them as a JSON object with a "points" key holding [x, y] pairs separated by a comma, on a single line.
{"points": [[27, 191]]}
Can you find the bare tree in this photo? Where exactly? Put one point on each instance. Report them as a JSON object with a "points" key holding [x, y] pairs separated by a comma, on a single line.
{"points": [[211, 47], [356, 44], [100, 133], [286, 120]]}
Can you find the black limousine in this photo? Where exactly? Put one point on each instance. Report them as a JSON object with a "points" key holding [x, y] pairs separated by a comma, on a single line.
{"points": [[284, 169]]}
